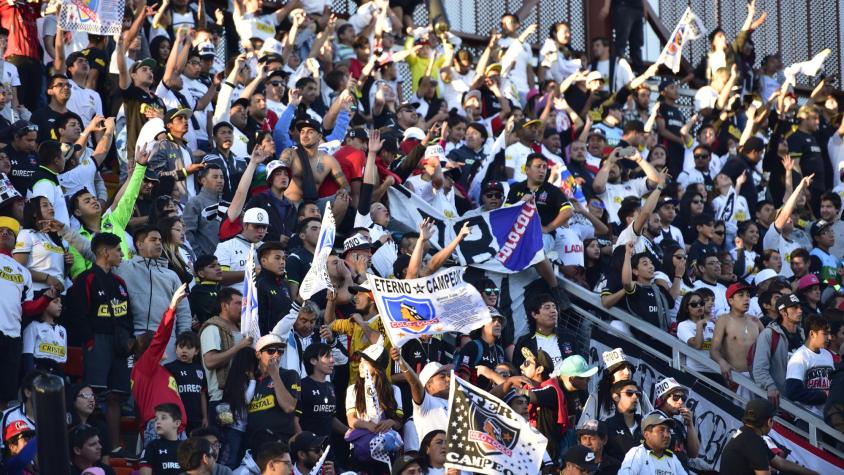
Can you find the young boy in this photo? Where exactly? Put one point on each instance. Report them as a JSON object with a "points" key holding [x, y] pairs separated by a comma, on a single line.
{"points": [[45, 341], [203, 296], [160, 456], [190, 378]]}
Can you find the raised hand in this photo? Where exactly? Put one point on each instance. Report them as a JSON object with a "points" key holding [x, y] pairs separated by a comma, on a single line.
{"points": [[426, 230], [294, 96], [178, 296], [375, 141]]}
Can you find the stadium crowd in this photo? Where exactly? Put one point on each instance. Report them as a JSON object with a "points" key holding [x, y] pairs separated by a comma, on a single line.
{"points": [[139, 172]]}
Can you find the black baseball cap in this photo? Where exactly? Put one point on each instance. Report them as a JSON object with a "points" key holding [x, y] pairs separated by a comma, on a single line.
{"points": [[818, 227], [786, 301], [358, 133], [493, 185], [308, 122], [305, 441], [582, 456]]}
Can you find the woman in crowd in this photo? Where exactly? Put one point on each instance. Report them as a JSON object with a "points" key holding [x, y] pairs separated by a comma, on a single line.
{"points": [[239, 389], [432, 450], [44, 254], [745, 258], [81, 404], [177, 249], [695, 327], [692, 204], [595, 264]]}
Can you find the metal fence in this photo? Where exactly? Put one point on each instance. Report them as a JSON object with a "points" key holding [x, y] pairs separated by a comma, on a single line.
{"points": [[796, 29]]}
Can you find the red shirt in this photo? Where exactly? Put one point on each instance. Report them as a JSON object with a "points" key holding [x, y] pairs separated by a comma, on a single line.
{"points": [[152, 384], [351, 161], [23, 35]]}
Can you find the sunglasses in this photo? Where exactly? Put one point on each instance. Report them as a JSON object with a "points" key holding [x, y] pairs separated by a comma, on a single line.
{"points": [[701, 155], [720, 233], [275, 83], [696, 304], [682, 258], [631, 393], [494, 195], [492, 291], [678, 397], [274, 350], [697, 202]]}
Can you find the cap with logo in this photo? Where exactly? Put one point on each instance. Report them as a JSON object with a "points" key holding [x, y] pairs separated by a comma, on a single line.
{"points": [[358, 133], [148, 62], [807, 281], [523, 124], [655, 418], [179, 111], [665, 387], [407, 105], [206, 49], [819, 227], [581, 456], [613, 359], [493, 185], [414, 133], [256, 216], [789, 300], [16, 428], [764, 275], [307, 122], [358, 242], [434, 152], [276, 165], [593, 427]]}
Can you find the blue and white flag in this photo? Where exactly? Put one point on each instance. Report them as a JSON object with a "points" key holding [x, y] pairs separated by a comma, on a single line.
{"points": [[317, 277], [439, 303], [689, 28], [249, 309], [505, 240]]}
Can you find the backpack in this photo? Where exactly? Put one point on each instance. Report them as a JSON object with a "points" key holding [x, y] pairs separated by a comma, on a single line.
{"points": [[775, 339]]}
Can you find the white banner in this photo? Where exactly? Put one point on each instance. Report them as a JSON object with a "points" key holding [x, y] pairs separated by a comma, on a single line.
{"points": [[249, 309], [506, 240], [714, 420], [485, 436], [98, 17], [317, 277], [439, 303], [689, 28]]}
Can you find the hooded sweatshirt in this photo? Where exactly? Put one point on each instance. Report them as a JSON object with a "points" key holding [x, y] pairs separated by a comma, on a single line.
{"points": [[769, 369], [151, 285], [202, 222]]}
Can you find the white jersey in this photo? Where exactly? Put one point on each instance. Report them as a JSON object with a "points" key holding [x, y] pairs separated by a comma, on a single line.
{"points": [[515, 157], [572, 250], [813, 369], [616, 192], [45, 341], [84, 102], [642, 461], [83, 175], [431, 415], [15, 287], [686, 330], [44, 255], [194, 89], [251, 25], [232, 255]]}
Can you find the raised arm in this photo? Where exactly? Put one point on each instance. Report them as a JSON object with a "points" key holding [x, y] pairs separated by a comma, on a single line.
{"points": [[443, 254], [627, 269], [417, 391], [425, 230], [124, 80], [788, 207], [599, 184], [239, 198]]}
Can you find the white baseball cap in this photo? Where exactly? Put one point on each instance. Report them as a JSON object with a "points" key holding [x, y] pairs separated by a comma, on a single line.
{"points": [[269, 339], [256, 216], [275, 165], [764, 275], [430, 370], [414, 133], [667, 386]]}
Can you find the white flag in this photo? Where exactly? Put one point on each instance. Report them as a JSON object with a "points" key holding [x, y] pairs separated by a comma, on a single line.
{"points": [[249, 310], [689, 28], [439, 303], [484, 435], [317, 277], [809, 68], [99, 17]]}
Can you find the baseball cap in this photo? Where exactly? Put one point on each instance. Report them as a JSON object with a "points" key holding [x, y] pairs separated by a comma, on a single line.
{"points": [[512, 394], [594, 76], [733, 288], [494, 67], [495, 314], [807, 281], [666, 200], [270, 339], [758, 411], [403, 462], [358, 133], [614, 358], [597, 131], [355, 243], [786, 301], [256, 216], [582, 456], [275, 165], [655, 418], [407, 105], [753, 143], [10, 223], [523, 124], [149, 62], [171, 113], [413, 133], [68, 149], [434, 152], [592, 427], [666, 81], [305, 441], [308, 122], [23, 126], [206, 48], [16, 428], [391, 144], [576, 366], [473, 93], [72, 57], [764, 275], [376, 354], [222, 123], [666, 387], [430, 370], [493, 185], [818, 227], [151, 175]]}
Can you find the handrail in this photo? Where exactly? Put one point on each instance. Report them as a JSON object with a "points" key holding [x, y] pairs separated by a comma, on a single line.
{"points": [[679, 349]]}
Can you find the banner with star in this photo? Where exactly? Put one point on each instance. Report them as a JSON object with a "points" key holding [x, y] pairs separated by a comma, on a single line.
{"points": [[485, 436], [442, 302], [98, 17]]}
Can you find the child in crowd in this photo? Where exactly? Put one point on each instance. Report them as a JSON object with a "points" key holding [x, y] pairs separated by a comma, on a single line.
{"points": [[45, 341], [203, 295], [190, 379], [160, 456]]}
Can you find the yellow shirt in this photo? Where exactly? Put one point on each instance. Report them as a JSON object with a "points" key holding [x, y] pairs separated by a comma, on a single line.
{"points": [[358, 342], [419, 65]]}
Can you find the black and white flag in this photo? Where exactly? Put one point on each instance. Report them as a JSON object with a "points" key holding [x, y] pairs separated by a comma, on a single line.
{"points": [[485, 436]]}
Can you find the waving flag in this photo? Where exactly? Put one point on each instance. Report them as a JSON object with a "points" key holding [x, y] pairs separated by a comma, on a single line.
{"points": [[485, 436], [99, 17], [439, 303], [810, 68], [249, 309], [317, 277], [505, 240], [689, 28]]}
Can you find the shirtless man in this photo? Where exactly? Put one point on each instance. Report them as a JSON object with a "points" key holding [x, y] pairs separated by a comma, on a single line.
{"points": [[321, 163], [735, 333]]}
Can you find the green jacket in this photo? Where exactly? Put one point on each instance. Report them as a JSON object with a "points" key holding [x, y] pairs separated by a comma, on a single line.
{"points": [[114, 222]]}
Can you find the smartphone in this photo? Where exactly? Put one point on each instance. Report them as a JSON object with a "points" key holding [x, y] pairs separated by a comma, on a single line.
{"points": [[627, 152]]}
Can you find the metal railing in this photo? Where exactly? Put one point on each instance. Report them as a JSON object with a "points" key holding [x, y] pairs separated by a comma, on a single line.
{"points": [[681, 351]]}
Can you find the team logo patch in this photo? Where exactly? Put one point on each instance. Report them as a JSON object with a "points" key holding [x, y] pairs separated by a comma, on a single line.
{"points": [[492, 435], [413, 315]]}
